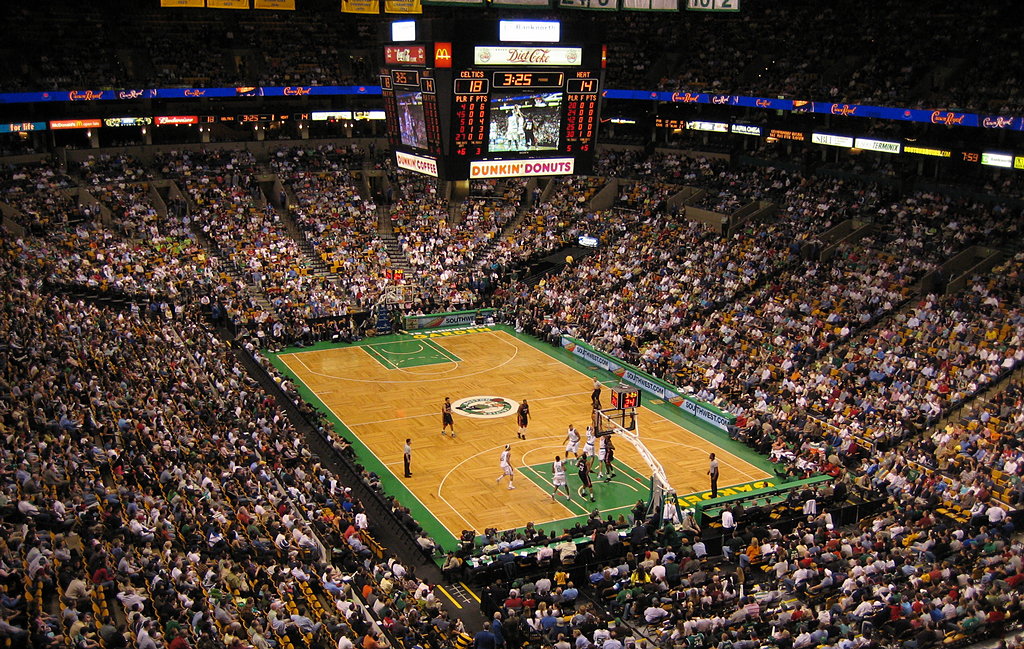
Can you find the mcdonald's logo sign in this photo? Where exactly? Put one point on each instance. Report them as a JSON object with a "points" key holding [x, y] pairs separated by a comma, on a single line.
{"points": [[442, 55]]}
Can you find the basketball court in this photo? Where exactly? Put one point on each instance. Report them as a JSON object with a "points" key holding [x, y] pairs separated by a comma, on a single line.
{"points": [[380, 391]]}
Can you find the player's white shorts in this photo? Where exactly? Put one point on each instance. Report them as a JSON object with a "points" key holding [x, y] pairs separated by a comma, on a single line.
{"points": [[506, 469], [589, 449], [602, 453], [558, 480], [572, 447]]}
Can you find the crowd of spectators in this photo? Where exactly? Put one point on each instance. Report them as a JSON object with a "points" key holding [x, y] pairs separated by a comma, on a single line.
{"points": [[228, 206], [148, 473], [75, 245], [934, 227], [803, 312], [453, 251], [37, 192], [341, 226], [421, 220], [727, 190], [982, 440], [161, 489], [141, 248], [110, 168]]}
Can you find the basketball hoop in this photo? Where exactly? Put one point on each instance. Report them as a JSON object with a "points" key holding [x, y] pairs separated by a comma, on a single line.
{"points": [[662, 502], [626, 424]]}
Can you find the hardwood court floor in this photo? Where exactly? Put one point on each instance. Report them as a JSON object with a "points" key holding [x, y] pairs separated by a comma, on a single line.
{"points": [[387, 392]]}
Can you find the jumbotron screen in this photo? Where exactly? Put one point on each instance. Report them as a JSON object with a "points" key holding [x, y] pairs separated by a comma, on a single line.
{"points": [[525, 121], [493, 108]]}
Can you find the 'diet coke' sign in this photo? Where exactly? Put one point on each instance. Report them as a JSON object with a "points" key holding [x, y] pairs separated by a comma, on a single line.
{"points": [[532, 56]]}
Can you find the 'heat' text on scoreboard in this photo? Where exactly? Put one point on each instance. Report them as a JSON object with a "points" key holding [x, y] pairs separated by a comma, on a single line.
{"points": [[581, 111]]}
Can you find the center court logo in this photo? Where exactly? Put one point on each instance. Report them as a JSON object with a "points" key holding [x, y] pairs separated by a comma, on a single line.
{"points": [[485, 407]]}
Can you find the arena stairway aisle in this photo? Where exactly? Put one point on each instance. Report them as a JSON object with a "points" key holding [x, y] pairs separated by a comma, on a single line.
{"points": [[225, 265], [316, 261]]}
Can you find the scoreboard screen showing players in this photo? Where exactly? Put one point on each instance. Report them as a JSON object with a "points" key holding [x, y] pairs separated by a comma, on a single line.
{"points": [[491, 108], [412, 125], [525, 122]]}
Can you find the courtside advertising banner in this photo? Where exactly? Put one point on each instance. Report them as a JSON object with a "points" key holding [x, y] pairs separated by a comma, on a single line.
{"points": [[704, 411], [439, 320]]}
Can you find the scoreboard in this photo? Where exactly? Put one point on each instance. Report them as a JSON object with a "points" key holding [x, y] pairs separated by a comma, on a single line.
{"points": [[625, 397], [524, 112], [410, 110], [492, 107]]}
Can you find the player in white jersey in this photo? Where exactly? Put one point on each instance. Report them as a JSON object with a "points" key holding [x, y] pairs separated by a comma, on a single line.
{"points": [[558, 479], [505, 462], [588, 447], [572, 442]]}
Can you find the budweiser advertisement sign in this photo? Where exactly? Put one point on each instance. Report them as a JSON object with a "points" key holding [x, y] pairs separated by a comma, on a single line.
{"points": [[527, 55], [419, 164], [174, 120], [407, 54]]}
